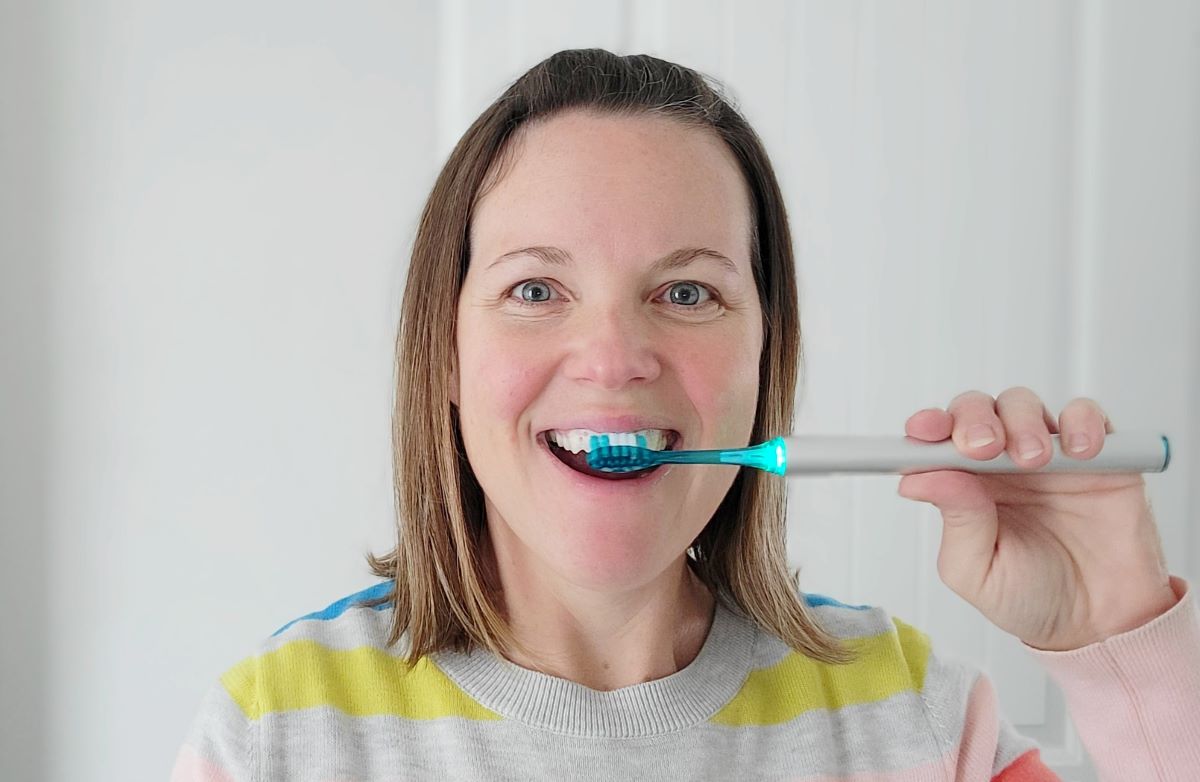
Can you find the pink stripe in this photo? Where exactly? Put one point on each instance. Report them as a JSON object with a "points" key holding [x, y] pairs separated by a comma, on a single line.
{"points": [[971, 761], [191, 767], [942, 769], [981, 731]]}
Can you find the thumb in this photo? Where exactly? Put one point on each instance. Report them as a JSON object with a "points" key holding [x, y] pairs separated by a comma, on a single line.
{"points": [[969, 526]]}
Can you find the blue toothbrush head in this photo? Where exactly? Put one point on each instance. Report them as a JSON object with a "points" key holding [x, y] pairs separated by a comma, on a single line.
{"points": [[619, 458]]}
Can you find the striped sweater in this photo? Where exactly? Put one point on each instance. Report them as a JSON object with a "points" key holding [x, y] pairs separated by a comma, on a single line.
{"points": [[325, 699]]}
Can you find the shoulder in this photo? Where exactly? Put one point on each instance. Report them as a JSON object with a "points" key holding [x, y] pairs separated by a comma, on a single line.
{"points": [[872, 630], [896, 661], [352, 615], [894, 675], [891, 655], [333, 659], [887, 676], [327, 657]]}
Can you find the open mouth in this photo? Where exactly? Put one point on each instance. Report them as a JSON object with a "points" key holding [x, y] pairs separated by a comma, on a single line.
{"points": [[578, 460]]}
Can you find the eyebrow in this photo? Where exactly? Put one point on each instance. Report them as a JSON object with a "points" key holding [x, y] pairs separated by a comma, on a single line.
{"points": [[555, 256]]}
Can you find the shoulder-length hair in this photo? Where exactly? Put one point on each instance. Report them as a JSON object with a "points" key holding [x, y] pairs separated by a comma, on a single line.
{"points": [[444, 594]]}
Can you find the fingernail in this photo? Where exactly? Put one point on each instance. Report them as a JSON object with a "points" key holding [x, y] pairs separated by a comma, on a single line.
{"points": [[979, 435], [1077, 443], [1029, 447]]}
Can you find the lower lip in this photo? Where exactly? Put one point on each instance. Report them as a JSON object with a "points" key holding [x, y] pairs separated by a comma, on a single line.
{"points": [[600, 486]]}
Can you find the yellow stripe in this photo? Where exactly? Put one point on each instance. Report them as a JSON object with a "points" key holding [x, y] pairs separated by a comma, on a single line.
{"points": [[888, 663], [360, 682]]}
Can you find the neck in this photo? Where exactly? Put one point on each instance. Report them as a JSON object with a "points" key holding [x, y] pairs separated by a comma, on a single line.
{"points": [[606, 640]]}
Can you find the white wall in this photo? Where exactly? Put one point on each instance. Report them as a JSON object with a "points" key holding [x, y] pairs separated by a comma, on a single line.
{"points": [[205, 211], [24, 377]]}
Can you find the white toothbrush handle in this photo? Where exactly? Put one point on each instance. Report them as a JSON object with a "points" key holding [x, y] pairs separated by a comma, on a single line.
{"points": [[829, 454]]}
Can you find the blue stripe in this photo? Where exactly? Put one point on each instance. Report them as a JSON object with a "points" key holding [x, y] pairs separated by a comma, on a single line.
{"points": [[814, 599], [334, 610]]}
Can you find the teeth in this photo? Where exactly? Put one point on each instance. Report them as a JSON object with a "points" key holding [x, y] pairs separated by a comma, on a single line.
{"points": [[576, 440]]}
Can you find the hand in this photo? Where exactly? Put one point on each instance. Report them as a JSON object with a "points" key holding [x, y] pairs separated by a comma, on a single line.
{"points": [[1060, 560]]}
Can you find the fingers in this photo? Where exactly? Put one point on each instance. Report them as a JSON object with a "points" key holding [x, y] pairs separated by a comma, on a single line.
{"points": [[932, 424], [1083, 424], [1028, 422], [1016, 421], [978, 430]]}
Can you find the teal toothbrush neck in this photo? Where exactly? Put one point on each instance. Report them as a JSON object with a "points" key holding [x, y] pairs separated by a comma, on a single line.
{"points": [[770, 456]]}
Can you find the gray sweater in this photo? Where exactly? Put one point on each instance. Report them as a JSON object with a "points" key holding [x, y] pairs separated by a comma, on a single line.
{"points": [[324, 698]]}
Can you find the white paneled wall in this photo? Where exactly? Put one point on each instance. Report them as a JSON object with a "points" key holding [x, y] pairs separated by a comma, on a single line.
{"points": [[208, 209], [983, 195]]}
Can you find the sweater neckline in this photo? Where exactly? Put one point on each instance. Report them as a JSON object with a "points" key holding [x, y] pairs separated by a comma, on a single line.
{"points": [[684, 698]]}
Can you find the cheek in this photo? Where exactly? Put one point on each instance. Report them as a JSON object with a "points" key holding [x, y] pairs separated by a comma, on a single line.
{"points": [[501, 377], [721, 379]]}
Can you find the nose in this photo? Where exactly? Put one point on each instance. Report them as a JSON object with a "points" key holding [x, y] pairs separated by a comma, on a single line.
{"points": [[612, 349]]}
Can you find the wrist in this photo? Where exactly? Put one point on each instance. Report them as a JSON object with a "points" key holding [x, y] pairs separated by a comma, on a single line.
{"points": [[1114, 615]]}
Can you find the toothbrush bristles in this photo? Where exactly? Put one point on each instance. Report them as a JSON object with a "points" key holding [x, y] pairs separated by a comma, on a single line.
{"points": [[617, 458]]}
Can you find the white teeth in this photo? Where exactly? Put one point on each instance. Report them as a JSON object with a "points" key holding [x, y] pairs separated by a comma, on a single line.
{"points": [[576, 440]]}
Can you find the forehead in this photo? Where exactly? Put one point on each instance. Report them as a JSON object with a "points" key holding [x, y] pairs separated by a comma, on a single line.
{"points": [[614, 184]]}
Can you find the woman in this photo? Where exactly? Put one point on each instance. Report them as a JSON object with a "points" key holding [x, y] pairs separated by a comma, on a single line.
{"points": [[607, 251]]}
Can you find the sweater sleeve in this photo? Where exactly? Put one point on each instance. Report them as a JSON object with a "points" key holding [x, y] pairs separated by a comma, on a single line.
{"points": [[1135, 697], [981, 743], [220, 744]]}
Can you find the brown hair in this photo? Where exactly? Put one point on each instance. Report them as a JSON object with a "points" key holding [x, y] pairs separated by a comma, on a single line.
{"points": [[443, 592]]}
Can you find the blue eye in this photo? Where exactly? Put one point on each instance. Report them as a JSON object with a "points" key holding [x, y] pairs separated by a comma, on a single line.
{"points": [[688, 294], [534, 292]]}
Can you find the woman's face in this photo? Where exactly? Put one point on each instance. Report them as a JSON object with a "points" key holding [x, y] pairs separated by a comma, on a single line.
{"points": [[602, 335]]}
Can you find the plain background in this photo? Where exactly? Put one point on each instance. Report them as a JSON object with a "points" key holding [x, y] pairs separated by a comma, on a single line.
{"points": [[205, 215]]}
